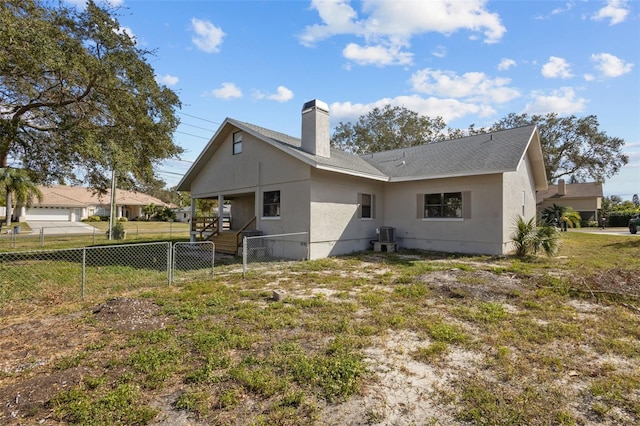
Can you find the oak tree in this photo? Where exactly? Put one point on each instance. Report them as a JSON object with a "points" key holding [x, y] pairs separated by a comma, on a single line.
{"points": [[387, 128], [78, 97], [573, 147]]}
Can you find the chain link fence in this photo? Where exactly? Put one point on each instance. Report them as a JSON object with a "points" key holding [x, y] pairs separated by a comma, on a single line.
{"points": [[271, 248], [192, 261], [20, 239], [67, 275]]}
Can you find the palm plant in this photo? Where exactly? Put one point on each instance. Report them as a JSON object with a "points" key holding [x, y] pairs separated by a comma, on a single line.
{"points": [[529, 237], [18, 185], [562, 214]]}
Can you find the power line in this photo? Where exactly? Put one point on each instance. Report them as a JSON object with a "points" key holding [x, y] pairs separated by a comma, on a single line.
{"points": [[190, 134], [197, 127], [199, 118]]}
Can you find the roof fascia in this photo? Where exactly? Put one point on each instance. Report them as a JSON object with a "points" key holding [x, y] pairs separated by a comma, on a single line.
{"points": [[534, 151], [447, 176]]}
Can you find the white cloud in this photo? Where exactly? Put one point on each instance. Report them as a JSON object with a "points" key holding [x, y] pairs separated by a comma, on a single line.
{"points": [[439, 52], [558, 10], [561, 101], [556, 68], [227, 91], [283, 95], [506, 63], [610, 65], [208, 37], [167, 79], [615, 10], [388, 26], [376, 55], [448, 109], [471, 86], [589, 77]]}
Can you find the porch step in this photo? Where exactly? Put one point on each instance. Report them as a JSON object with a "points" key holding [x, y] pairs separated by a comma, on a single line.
{"points": [[226, 242]]}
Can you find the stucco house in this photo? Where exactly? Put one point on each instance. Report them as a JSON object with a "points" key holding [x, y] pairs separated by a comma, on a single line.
{"points": [[74, 203], [458, 195], [585, 198]]}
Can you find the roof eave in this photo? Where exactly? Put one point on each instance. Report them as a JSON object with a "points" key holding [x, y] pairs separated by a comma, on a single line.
{"points": [[448, 175]]}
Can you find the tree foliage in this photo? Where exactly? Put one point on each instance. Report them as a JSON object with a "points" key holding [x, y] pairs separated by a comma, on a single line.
{"points": [[78, 97], [17, 184], [572, 147], [387, 128]]}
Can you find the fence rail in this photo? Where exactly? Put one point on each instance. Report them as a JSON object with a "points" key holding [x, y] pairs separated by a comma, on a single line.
{"points": [[15, 236], [270, 248], [49, 276]]}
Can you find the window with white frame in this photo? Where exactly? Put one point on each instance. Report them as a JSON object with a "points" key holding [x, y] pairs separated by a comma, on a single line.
{"points": [[271, 204], [444, 205], [237, 143]]}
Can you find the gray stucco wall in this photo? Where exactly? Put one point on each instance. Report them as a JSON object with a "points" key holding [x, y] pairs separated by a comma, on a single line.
{"points": [[481, 232], [335, 225]]}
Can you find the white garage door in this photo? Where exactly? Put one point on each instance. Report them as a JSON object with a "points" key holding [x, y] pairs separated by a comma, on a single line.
{"points": [[48, 213]]}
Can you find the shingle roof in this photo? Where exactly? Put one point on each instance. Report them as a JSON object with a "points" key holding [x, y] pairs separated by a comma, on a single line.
{"points": [[495, 152], [337, 160], [572, 190], [77, 196]]}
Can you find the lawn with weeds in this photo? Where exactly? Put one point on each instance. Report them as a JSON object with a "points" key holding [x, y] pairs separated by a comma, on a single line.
{"points": [[367, 339]]}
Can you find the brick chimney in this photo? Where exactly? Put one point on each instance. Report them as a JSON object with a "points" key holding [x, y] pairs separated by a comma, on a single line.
{"points": [[562, 187], [315, 128]]}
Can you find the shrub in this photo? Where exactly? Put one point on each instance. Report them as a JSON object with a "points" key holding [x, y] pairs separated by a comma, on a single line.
{"points": [[117, 232], [93, 218], [529, 238], [123, 219]]}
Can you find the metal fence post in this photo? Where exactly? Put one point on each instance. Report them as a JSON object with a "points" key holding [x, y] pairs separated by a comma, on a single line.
{"points": [[84, 266], [169, 262], [94, 235], [244, 256], [41, 237]]}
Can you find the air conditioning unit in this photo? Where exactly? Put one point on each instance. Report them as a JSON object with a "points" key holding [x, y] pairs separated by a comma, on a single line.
{"points": [[387, 234]]}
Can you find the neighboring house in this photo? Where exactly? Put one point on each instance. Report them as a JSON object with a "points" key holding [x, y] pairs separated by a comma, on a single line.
{"points": [[75, 203], [459, 195], [585, 198], [183, 214]]}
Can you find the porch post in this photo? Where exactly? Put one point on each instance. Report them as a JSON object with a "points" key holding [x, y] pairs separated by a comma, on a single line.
{"points": [[220, 212], [192, 234]]}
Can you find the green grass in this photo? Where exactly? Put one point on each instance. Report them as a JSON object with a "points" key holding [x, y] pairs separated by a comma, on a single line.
{"points": [[227, 353]]}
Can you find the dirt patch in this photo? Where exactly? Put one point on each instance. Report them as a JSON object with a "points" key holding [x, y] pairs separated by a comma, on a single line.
{"points": [[31, 351], [126, 314], [481, 285]]}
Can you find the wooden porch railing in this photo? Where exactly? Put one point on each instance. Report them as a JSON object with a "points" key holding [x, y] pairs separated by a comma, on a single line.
{"points": [[204, 224], [239, 233]]}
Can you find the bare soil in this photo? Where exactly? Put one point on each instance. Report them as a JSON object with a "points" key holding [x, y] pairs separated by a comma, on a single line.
{"points": [[402, 391]]}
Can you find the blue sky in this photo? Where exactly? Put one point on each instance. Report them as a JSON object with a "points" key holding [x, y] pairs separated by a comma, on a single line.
{"points": [[471, 62]]}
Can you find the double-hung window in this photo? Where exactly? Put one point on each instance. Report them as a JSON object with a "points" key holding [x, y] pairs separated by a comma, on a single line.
{"points": [[237, 143], [271, 204], [366, 206]]}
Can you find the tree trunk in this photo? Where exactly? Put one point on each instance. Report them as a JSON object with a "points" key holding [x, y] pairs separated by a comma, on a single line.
{"points": [[9, 209]]}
